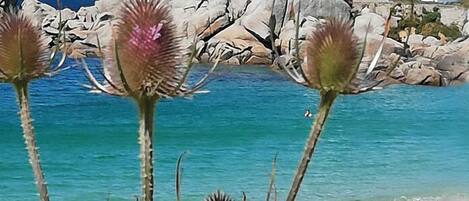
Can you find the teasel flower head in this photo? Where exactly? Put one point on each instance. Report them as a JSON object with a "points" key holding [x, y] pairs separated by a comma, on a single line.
{"points": [[145, 58], [218, 196], [332, 55], [330, 64], [24, 54], [332, 59], [145, 61]]}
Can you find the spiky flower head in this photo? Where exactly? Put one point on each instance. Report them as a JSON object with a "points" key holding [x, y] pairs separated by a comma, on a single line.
{"points": [[331, 57], [23, 51], [144, 57], [218, 196]]}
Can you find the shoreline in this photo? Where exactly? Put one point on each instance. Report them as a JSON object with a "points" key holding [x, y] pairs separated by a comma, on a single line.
{"points": [[241, 37]]}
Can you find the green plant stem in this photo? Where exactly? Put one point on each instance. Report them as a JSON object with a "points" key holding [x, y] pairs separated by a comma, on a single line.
{"points": [[145, 138], [30, 140], [327, 99]]}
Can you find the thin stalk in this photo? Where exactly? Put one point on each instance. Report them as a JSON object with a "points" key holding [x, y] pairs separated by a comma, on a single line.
{"points": [[145, 138], [327, 99], [412, 8], [297, 35], [30, 140], [272, 178], [178, 177]]}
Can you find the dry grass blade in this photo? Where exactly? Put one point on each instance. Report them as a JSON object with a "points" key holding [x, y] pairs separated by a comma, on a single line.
{"points": [[375, 60], [363, 50], [272, 178], [178, 176]]}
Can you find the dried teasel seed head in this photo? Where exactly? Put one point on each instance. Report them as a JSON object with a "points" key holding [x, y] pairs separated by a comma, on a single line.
{"points": [[23, 51], [144, 58], [331, 56], [218, 196]]}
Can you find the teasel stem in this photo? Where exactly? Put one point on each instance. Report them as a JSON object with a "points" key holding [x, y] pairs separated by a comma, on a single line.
{"points": [[145, 137], [327, 99], [29, 139]]}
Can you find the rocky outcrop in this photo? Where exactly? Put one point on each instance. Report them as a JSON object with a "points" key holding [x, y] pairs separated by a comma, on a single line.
{"points": [[236, 31], [423, 61]]}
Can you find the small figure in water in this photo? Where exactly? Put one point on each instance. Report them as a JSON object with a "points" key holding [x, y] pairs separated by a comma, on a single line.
{"points": [[308, 114]]}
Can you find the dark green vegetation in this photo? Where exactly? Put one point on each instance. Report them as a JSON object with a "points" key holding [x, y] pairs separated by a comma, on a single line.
{"points": [[427, 24]]}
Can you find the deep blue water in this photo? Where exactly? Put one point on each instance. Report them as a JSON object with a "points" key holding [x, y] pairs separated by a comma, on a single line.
{"points": [[404, 141], [72, 4]]}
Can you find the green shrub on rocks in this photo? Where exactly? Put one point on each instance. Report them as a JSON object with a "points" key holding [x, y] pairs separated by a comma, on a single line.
{"points": [[434, 28], [405, 24], [428, 25], [431, 17]]}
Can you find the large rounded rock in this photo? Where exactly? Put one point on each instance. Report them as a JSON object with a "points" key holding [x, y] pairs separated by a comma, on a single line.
{"points": [[373, 42], [288, 33], [431, 41], [465, 30], [257, 16], [239, 40], [423, 76], [237, 30], [108, 5], [206, 19], [87, 14], [370, 22], [37, 11], [415, 40], [322, 8]]}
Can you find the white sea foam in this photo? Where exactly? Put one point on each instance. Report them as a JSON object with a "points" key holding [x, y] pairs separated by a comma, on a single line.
{"points": [[458, 197]]}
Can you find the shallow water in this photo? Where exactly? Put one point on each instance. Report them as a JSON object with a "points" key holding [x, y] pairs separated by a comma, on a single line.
{"points": [[404, 142]]}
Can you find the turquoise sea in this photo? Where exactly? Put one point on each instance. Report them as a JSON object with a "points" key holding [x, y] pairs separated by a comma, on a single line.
{"points": [[401, 143]]}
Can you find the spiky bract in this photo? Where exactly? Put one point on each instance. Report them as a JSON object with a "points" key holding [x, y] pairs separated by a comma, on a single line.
{"points": [[332, 55], [23, 52], [144, 59], [218, 196]]}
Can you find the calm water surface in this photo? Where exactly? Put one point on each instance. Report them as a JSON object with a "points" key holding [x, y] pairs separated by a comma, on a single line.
{"points": [[72, 4], [401, 142]]}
